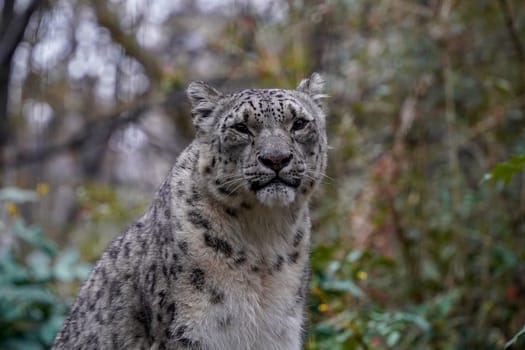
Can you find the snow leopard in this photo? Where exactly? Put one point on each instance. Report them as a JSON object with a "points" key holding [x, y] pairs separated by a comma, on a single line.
{"points": [[220, 259]]}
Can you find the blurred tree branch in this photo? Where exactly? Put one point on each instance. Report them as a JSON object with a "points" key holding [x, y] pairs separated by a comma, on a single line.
{"points": [[511, 28], [97, 131], [110, 21], [94, 130], [12, 30]]}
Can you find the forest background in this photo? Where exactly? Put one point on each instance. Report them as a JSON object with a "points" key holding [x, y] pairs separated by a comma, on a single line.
{"points": [[420, 225]]}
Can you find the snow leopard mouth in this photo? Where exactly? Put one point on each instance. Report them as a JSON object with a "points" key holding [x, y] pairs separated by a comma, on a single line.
{"points": [[256, 186]]}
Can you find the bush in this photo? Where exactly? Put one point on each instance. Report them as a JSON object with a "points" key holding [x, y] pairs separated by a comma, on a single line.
{"points": [[32, 269]]}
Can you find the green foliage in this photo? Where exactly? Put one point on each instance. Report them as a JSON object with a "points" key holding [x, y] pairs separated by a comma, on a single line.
{"points": [[31, 269], [106, 210], [349, 310], [506, 170]]}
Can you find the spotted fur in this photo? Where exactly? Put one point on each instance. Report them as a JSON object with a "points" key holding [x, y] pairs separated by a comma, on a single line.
{"points": [[220, 259]]}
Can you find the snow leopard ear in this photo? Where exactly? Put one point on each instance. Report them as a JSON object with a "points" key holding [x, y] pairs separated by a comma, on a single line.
{"points": [[204, 99], [314, 87]]}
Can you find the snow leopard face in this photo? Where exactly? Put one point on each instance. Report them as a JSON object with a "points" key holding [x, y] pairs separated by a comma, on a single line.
{"points": [[267, 145]]}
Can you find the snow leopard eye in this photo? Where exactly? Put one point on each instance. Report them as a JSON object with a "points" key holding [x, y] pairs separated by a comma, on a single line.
{"points": [[299, 124], [242, 128]]}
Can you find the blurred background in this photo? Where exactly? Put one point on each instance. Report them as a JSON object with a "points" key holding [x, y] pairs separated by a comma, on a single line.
{"points": [[420, 225]]}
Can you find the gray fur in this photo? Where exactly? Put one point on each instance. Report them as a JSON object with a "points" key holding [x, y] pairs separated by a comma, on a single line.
{"points": [[220, 259]]}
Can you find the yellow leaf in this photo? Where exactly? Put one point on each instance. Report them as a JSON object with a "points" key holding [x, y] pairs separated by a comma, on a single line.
{"points": [[362, 275], [11, 208], [42, 188], [322, 307]]}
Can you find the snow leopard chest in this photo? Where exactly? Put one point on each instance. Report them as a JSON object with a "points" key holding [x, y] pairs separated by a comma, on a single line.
{"points": [[257, 306]]}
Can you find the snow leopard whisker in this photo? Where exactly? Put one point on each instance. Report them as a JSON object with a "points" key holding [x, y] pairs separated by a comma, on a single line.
{"points": [[231, 181]]}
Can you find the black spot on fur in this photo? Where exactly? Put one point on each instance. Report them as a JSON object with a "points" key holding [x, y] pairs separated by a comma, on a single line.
{"points": [[231, 212], [197, 279], [144, 316], [114, 289], [115, 341], [172, 311], [151, 277], [240, 258], [278, 265], [297, 238], [183, 246], [143, 243], [195, 197], [292, 257], [93, 340], [189, 343], [174, 268], [198, 220], [218, 244], [293, 111], [162, 298], [98, 318], [167, 333], [224, 191], [179, 332], [127, 249], [224, 322], [113, 252], [217, 296]]}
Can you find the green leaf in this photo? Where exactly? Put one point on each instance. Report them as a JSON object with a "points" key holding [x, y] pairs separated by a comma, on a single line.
{"points": [[325, 329], [39, 265], [354, 255], [393, 338], [11, 270], [50, 328], [82, 270], [34, 237], [347, 286], [344, 335], [31, 294], [506, 170], [64, 269], [443, 303]]}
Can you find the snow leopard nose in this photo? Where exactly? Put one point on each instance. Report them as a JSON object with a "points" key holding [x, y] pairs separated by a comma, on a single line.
{"points": [[276, 161]]}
